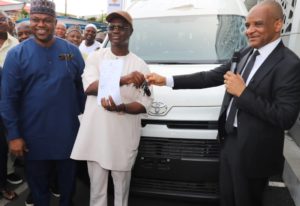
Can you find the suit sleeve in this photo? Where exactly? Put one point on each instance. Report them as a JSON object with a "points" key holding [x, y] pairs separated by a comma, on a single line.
{"points": [[203, 79], [280, 105]]}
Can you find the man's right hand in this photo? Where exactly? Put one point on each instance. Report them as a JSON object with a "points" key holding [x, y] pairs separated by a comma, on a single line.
{"points": [[156, 79], [17, 147], [136, 78]]}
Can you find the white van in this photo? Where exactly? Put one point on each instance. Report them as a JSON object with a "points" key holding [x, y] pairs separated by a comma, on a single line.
{"points": [[179, 152]]}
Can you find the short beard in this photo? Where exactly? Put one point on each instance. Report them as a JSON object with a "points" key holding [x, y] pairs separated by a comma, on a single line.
{"points": [[3, 35], [48, 39]]}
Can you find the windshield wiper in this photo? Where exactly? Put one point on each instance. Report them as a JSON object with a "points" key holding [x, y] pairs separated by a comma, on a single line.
{"points": [[183, 62]]}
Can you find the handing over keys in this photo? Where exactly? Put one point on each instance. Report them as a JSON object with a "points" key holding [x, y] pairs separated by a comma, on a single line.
{"points": [[146, 89], [138, 80], [156, 79]]}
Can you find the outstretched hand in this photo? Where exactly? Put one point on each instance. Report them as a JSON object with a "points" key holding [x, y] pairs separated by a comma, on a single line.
{"points": [[156, 79]]}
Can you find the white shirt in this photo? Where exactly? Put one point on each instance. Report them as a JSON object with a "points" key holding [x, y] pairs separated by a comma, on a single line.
{"points": [[6, 46], [86, 50], [264, 52]]}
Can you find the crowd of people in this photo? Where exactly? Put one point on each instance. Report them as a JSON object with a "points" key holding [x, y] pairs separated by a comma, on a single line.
{"points": [[51, 75], [42, 95]]}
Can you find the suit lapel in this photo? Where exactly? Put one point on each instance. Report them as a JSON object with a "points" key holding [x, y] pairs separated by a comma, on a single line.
{"points": [[267, 65], [243, 61], [245, 53]]}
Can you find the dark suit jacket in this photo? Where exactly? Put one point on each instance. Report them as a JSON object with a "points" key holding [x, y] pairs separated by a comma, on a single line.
{"points": [[268, 106]]}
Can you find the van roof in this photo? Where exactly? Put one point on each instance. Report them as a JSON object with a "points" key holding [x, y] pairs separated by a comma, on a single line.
{"points": [[155, 8]]}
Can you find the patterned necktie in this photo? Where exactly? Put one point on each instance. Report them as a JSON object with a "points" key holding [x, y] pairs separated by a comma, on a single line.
{"points": [[233, 109]]}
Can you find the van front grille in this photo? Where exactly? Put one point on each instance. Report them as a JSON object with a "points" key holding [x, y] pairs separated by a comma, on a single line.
{"points": [[175, 188], [183, 124], [174, 148]]}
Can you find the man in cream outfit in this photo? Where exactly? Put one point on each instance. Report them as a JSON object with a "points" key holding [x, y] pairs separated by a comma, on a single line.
{"points": [[109, 134]]}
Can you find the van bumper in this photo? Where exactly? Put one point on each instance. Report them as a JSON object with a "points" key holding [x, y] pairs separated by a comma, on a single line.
{"points": [[177, 168]]}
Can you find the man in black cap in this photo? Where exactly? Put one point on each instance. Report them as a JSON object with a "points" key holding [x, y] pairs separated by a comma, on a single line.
{"points": [[41, 93]]}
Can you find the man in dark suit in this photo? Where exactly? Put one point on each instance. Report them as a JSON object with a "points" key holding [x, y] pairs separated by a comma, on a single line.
{"points": [[256, 110]]}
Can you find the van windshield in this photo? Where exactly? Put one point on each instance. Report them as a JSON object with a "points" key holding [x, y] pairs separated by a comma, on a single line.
{"points": [[188, 39]]}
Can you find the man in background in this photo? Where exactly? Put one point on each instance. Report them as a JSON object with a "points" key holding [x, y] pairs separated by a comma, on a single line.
{"points": [[100, 36], [7, 41], [23, 31], [60, 30], [73, 35], [89, 44]]}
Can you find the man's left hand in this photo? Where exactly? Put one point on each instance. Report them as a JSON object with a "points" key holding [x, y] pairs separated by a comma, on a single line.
{"points": [[234, 83], [110, 105]]}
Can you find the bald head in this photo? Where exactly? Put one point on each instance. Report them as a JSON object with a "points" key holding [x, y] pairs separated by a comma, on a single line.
{"points": [[264, 23], [274, 8]]}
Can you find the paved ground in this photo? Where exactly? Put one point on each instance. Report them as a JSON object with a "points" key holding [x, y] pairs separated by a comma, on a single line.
{"points": [[275, 196]]}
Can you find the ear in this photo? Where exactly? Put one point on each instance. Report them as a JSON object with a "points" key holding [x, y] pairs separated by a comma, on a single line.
{"points": [[278, 25], [131, 31]]}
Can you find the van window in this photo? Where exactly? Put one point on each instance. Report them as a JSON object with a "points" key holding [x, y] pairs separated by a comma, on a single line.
{"points": [[188, 39]]}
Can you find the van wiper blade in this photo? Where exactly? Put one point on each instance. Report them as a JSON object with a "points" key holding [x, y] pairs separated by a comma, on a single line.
{"points": [[183, 62], [172, 62]]}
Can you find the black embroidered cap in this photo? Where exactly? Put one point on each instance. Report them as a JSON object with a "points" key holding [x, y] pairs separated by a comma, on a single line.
{"points": [[42, 7]]}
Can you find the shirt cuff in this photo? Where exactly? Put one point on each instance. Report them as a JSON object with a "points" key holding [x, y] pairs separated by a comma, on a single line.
{"points": [[12, 134], [170, 81]]}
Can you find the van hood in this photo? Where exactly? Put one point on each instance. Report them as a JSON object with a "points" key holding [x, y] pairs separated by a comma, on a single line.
{"points": [[166, 100]]}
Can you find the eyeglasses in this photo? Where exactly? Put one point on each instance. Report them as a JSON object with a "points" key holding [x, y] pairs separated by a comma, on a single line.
{"points": [[112, 27], [3, 19], [44, 21]]}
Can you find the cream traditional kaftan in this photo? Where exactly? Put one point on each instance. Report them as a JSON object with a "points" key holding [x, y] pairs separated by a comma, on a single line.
{"points": [[110, 138]]}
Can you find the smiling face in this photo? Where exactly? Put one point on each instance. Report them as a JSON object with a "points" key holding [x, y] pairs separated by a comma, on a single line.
{"points": [[42, 27], [263, 26], [74, 37], [60, 30], [90, 35], [23, 32], [119, 32]]}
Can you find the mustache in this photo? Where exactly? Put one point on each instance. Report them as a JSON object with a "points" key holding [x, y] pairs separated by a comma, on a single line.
{"points": [[4, 28]]}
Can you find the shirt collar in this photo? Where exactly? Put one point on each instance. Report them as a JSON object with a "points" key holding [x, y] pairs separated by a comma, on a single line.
{"points": [[268, 48]]}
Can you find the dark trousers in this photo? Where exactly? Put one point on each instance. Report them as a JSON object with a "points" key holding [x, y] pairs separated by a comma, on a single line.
{"points": [[3, 157], [39, 175], [236, 189]]}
